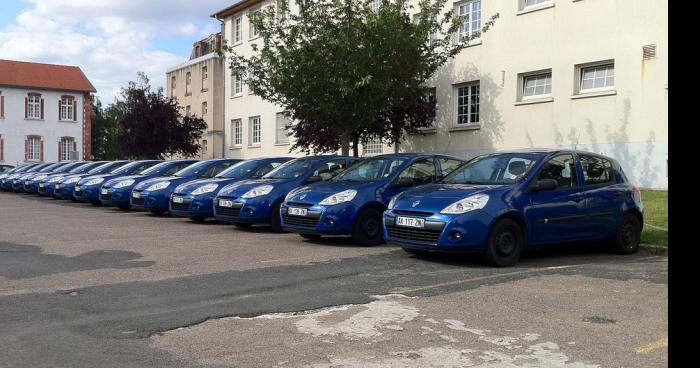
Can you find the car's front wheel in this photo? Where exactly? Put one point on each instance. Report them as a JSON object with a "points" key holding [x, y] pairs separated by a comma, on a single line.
{"points": [[628, 235], [275, 220], [368, 228], [505, 244]]}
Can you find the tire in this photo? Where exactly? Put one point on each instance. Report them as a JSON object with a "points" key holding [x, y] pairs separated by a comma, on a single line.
{"points": [[275, 220], [368, 228], [124, 207], [415, 252], [198, 219], [311, 236], [505, 244], [242, 225], [157, 212], [627, 236]]}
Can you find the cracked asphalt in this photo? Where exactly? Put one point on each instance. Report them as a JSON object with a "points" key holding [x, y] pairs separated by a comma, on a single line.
{"points": [[84, 286]]}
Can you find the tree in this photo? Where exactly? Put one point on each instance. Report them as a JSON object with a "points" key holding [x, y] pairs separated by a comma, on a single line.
{"points": [[105, 130], [151, 125], [346, 72]]}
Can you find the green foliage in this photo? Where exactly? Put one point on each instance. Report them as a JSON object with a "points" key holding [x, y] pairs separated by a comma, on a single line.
{"points": [[346, 73], [105, 130], [656, 215]]}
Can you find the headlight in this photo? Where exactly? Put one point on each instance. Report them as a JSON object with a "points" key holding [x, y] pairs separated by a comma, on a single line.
{"points": [[158, 186], [344, 196], [392, 202], [258, 191], [205, 189], [474, 202], [72, 180], [95, 181], [40, 177], [124, 183], [55, 179]]}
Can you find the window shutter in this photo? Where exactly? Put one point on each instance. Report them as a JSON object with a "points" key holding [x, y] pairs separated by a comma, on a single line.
{"points": [[2, 106], [26, 149], [75, 145], [75, 110], [26, 109], [60, 158], [2, 149], [41, 151], [42, 108]]}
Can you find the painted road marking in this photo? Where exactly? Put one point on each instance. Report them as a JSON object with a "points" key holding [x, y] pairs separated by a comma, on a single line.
{"points": [[648, 348]]}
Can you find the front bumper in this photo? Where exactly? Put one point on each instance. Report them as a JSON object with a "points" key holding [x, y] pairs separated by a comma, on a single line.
{"points": [[31, 187], [116, 197], [46, 189], [321, 220], [251, 211], [192, 206], [150, 201], [87, 194], [64, 191]]}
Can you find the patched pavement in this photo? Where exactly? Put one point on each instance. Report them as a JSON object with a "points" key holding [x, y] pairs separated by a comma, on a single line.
{"points": [[83, 286]]}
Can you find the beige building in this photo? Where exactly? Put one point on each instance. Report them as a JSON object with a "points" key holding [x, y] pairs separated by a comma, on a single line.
{"points": [[198, 87], [585, 74]]}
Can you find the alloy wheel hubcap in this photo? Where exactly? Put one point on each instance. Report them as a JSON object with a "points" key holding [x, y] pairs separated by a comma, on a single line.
{"points": [[506, 242]]}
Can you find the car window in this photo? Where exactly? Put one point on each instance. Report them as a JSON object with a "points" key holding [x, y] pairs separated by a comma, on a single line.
{"points": [[495, 169], [596, 170], [267, 168], [294, 168], [213, 171], [176, 168], [561, 168], [420, 172], [371, 169], [449, 165], [330, 169]]}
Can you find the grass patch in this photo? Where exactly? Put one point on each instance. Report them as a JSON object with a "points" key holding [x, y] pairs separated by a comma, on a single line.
{"points": [[655, 214]]}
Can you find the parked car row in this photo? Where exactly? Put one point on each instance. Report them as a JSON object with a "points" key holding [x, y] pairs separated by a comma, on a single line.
{"points": [[497, 204]]}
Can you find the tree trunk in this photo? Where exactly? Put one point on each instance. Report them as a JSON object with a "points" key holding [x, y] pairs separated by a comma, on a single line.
{"points": [[355, 148], [396, 147], [344, 146]]}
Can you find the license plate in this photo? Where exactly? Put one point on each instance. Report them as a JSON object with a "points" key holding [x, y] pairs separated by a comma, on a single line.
{"points": [[78, 189], [42, 185], [225, 203], [178, 199], [136, 194], [58, 186], [104, 191], [410, 222], [294, 211], [26, 182]]}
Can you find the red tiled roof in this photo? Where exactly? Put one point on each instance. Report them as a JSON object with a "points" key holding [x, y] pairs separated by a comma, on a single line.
{"points": [[44, 76]]}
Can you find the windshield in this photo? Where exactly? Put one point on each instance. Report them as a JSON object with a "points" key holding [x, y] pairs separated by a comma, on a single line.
{"points": [[156, 168], [495, 169], [85, 167], [50, 167], [372, 169], [105, 168], [240, 169], [294, 169], [68, 167], [194, 169], [132, 168]]}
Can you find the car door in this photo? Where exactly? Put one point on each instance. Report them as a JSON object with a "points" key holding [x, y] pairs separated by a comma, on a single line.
{"points": [[421, 171], [604, 196], [558, 215]]}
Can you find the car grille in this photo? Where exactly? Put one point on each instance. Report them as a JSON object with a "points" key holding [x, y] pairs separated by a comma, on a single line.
{"points": [[179, 206], [138, 201], [228, 212], [106, 197], [413, 213], [300, 221], [419, 235], [300, 204]]}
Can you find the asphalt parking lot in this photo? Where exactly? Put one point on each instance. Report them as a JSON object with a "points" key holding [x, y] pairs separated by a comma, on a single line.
{"points": [[85, 286]]}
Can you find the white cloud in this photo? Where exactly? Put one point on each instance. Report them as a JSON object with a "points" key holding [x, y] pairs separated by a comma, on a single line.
{"points": [[110, 40]]}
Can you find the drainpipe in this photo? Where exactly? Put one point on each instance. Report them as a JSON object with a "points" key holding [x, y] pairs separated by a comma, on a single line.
{"points": [[222, 132]]}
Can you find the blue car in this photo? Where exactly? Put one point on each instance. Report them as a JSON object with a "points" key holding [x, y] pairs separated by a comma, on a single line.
{"points": [[499, 204], [67, 185], [6, 178], [154, 194], [195, 199], [88, 188], [117, 191], [352, 203], [18, 182], [31, 184], [54, 183], [45, 184], [258, 201]]}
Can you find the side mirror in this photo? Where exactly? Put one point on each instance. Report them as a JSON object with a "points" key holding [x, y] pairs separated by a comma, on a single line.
{"points": [[313, 179], [544, 185], [402, 183]]}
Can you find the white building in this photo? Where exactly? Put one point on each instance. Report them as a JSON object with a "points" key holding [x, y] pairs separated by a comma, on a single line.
{"points": [[586, 74], [45, 113]]}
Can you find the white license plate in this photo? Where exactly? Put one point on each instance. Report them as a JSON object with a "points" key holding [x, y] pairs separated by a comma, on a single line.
{"points": [[26, 182], [225, 203], [178, 199], [104, 191], [294, 211], [136, 194], [58, 186], [410, 222], [42, 185], [78, 189]]}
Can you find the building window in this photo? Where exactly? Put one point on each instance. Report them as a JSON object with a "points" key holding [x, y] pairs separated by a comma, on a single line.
{"points": [[373, 147], [188, 84], [65, 147], [205, 76], [187, 110], [33, 110], [204, 146], [66, 108], [238, 30], [283, 121], [430, 96], [468, 104], [253, 32], [432, 34], [237, 82], [529, 3], [471, 25], [536, 85], [34, 148], [204, 108], [237, 130], [254, 138], [597, 77], [172, 86]]}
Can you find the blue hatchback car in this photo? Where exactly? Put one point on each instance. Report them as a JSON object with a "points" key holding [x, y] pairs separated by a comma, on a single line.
{"points": [[6, 177], [68, 184], [29, 186], [17, 184], [195, 199], [32, 185], [54, 184], [154, 194], [501, 203], [258, 201], [45, 185], [88, 188], [117, 191], [352, 203]]}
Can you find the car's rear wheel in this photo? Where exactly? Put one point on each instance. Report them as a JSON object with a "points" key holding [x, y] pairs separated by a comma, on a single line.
{"points": [[368, 228], [505, 244], [275, 220], [198, 219], [242, 225], [311, 236], [124, 207], [157, 212], [628, 235]]}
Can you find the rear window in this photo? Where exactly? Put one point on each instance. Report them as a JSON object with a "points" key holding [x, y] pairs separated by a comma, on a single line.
{"points": [[597, 170]]}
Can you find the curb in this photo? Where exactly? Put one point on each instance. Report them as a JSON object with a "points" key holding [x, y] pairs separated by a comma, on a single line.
{"points": [[653, 249]]}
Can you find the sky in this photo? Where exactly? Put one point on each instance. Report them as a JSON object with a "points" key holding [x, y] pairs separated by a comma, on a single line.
{"points": [[110, 40]]}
